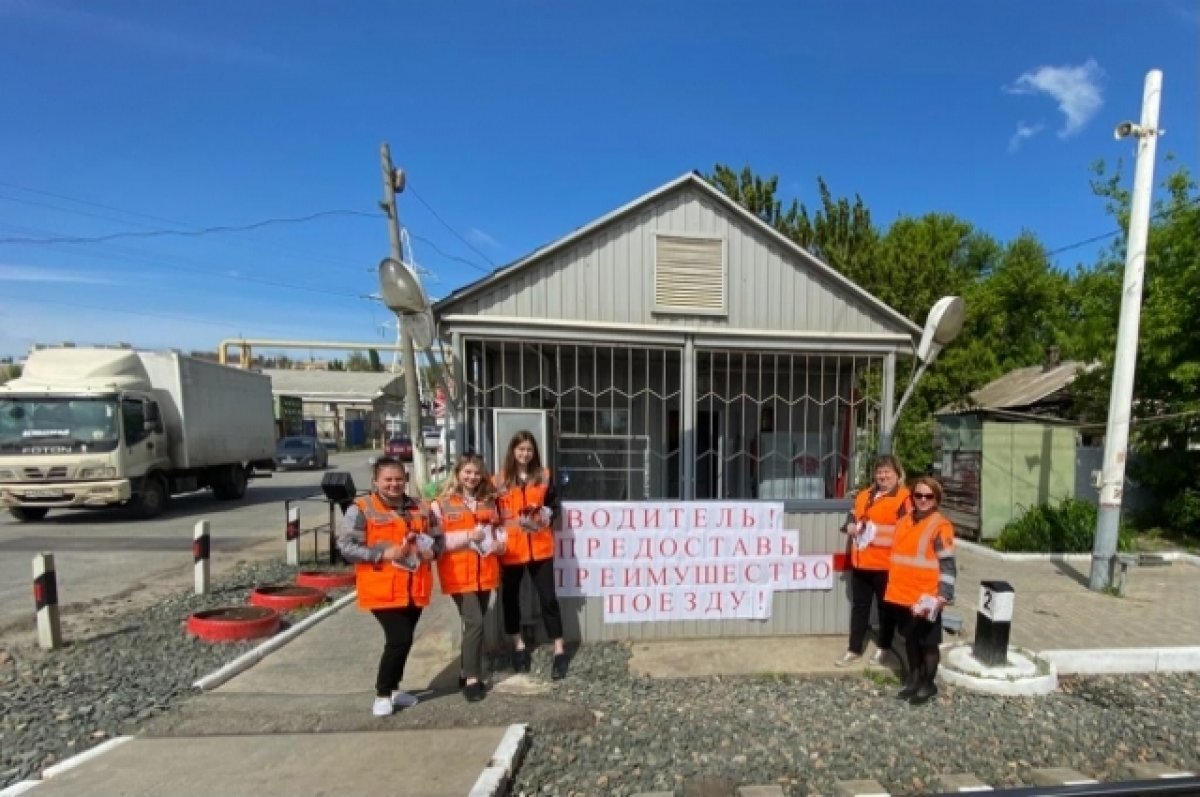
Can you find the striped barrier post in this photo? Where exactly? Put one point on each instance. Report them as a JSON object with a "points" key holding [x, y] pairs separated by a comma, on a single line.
{"points": [[201, 550], [45, 598], [293, 534]]}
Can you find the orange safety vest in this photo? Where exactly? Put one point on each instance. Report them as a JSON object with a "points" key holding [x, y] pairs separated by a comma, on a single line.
{"points": [[464, 570], [525, 545], [882, 511], [915, 571], [382, 585]]}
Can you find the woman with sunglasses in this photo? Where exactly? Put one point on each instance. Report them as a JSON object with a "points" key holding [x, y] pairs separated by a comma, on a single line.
{"points": [[920, 583], [871, 525]]}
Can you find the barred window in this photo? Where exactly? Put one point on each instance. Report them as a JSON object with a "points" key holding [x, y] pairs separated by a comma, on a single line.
{"points": [[771, 425]]}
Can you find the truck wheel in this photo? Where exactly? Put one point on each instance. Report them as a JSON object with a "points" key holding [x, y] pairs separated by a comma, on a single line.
{"points": [[26, 514], [152, 499], [230, 483]]}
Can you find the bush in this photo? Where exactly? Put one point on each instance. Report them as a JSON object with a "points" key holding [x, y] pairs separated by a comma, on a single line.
{"points": [[1183, 511], [1069, 527]]}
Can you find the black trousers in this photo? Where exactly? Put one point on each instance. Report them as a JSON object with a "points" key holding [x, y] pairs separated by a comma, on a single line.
{"points": [[399, 624], [867, 587], [542, 575]]}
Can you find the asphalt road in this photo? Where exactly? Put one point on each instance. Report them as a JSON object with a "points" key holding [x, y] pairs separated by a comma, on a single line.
{"points": [[105, 557]]}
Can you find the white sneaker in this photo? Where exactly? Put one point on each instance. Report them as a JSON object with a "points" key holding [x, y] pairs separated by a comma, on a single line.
{"points": [[881, 658], [403, 700], [848, 658], [382, 707]]}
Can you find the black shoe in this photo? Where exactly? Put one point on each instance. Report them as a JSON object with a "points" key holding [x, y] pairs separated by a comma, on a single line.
{"points": [[923, 694], [462, 681], [558, 670], [474, 692], [522, 661]]}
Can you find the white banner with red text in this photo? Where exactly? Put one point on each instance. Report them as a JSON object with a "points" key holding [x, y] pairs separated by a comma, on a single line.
{"points": [[682, 560]]}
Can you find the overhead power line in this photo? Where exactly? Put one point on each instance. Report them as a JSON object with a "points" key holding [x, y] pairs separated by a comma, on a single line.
{"points": [[272, 248], [1162, 214], [180, 263], [447, 224], [92, 239]]}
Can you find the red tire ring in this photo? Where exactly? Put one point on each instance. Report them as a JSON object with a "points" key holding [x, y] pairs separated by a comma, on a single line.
{"points": [[325, 579], [233, 623], [287, 596]]}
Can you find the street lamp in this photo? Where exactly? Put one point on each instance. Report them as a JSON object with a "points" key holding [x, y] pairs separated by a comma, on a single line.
{"points": [[941, 328], [401, 290]]}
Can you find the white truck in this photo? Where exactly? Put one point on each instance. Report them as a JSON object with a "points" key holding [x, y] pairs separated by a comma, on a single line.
{"points": [[97, 427]]}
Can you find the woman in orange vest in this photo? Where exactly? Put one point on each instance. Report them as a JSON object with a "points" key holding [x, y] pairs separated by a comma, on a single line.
{"points": [[920, 583], [528, 505], [870, 525], [468, 568], [388, 538]]}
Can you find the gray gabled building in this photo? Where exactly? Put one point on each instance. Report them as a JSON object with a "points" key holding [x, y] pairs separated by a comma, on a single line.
{"points": [[680, 348]]}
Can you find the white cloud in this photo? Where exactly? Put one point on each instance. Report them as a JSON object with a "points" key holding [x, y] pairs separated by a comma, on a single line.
{"points": [[480, 237], [131, 33], [1023, 133], [1076, 89], [13, 273]]}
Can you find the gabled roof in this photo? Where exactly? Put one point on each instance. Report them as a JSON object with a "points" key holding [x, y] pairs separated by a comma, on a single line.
{"points": [[345, 386], [696, 181], [1021, 388]]}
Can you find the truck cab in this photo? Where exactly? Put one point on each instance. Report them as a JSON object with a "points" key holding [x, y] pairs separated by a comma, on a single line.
{"points": [[77, 450]]}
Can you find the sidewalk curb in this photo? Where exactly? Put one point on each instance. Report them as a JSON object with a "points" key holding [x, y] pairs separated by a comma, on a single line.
{"points": [[252, 657], [495, 778], [983, 550], [1124, 660], [84, 757], [18, 788]]}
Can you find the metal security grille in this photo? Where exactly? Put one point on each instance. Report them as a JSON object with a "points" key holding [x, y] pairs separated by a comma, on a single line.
{"points": [[771, 425], [782, 425], [615, 411]]}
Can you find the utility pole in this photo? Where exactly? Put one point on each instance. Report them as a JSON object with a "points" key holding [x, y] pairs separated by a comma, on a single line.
{"points": [[393, 178], [1116, 436]]}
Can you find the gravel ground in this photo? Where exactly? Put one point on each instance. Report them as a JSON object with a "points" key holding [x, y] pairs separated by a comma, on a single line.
{"points": [[127, 669], [705, 736]]}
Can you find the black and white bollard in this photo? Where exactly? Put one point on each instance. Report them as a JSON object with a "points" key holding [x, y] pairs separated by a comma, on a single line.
{"points": [[201, 550], [993, 623], [45, 598], [293, 536]]}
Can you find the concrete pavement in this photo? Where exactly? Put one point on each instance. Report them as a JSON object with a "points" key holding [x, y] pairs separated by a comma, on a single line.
{"points": [[299, 722]]}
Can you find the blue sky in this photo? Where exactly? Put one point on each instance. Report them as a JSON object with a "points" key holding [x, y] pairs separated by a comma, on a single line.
{"points": [[516, 123]]}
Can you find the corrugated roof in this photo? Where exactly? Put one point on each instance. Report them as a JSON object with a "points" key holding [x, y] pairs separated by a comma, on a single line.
{"points": [[1020, 388], [360, 386]]}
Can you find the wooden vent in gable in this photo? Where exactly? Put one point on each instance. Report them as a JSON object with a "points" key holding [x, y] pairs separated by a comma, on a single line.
{"points": [[689, 275]]}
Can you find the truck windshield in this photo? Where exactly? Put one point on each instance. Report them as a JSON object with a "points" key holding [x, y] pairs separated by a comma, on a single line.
{"points": [[44, 425]]}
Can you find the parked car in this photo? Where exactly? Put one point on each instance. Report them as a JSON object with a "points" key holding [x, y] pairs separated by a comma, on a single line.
{"points": [[300, 452], [399, 447]]}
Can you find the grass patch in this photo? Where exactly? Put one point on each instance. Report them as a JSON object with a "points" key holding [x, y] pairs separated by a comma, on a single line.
{"points": [[881, 677]]}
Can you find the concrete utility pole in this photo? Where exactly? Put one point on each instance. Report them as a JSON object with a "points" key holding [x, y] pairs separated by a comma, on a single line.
{"points": [[1116, 436], [412, 398]]}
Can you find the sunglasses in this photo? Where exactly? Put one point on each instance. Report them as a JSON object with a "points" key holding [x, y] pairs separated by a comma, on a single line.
{"points": [[923, 496]]}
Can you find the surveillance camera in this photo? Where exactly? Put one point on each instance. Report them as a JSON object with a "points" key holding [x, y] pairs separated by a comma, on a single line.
{"points": [[1126, 129]]}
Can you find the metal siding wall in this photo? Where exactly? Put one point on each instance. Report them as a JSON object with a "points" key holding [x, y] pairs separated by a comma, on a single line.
{"points": [[609, 277]]}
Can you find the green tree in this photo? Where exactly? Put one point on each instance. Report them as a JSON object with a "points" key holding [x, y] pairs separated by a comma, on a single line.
{"points": [[375, 364], [357, 361], [335, 365], [1166, 405]]}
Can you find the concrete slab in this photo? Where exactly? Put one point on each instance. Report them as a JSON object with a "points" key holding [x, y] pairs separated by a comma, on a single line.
{"points": [[686, 658], [397, 763], [317, 660], [1059, 776], [964, 782]]}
